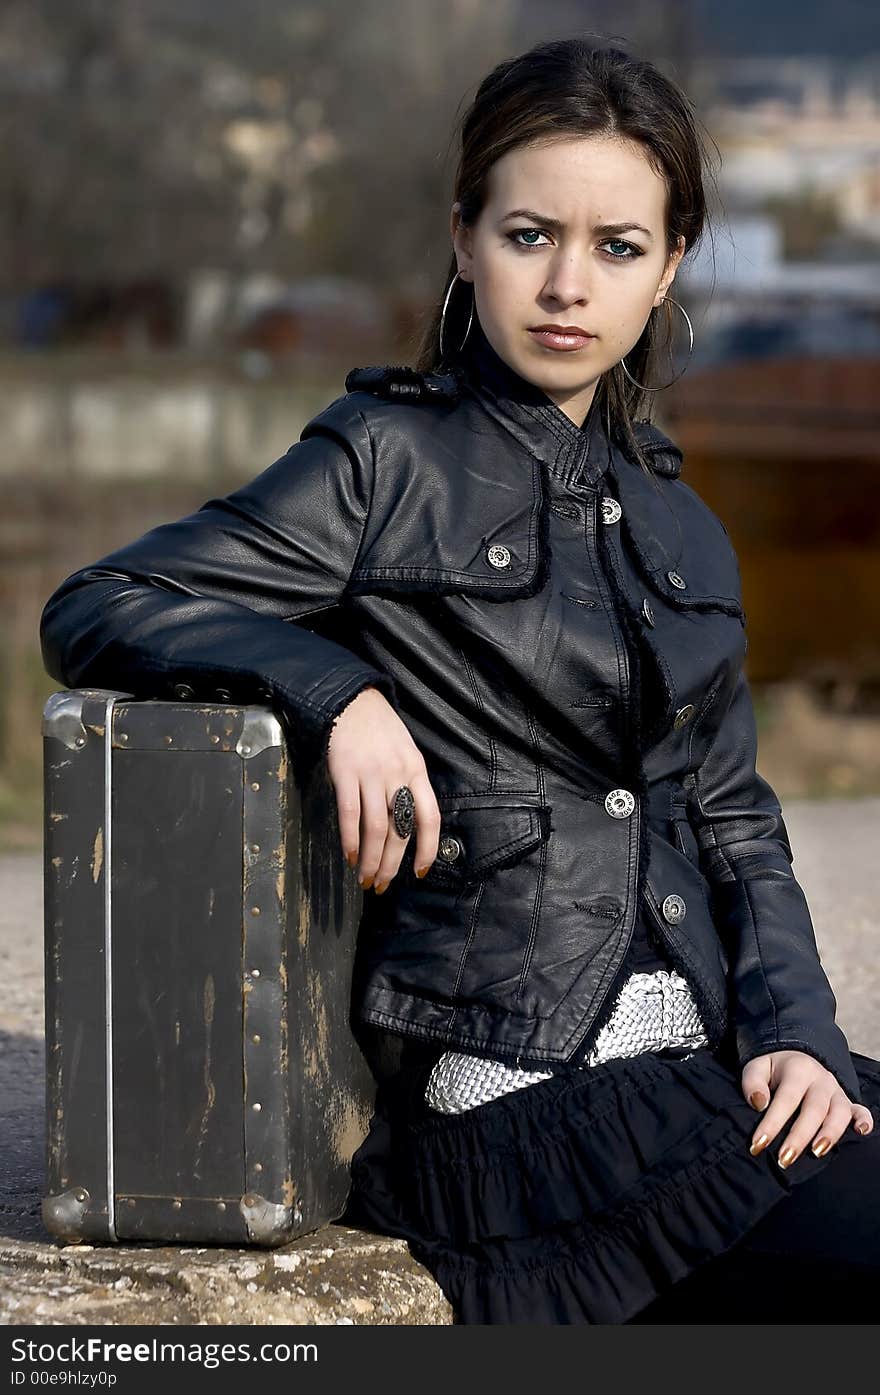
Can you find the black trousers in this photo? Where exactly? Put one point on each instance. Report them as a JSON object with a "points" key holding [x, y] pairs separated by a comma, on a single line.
{"points": [[815, 1257]]}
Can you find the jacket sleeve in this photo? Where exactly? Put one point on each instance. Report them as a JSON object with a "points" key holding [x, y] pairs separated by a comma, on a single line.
{"points": [[221, 597], [780, 996]]}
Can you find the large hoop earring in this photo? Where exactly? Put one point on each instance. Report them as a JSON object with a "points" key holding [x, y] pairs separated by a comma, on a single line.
{"points": [[690, 351], [443, 316]]}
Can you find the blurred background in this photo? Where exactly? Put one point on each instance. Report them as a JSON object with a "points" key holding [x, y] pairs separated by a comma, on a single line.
{"points": [[210, 211]]}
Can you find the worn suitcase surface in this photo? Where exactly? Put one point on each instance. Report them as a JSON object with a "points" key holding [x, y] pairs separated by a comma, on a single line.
{"points": [[203, 1080]]}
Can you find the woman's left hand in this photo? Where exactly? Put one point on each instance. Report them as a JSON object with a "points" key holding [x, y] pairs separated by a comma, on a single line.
{"points": [[795, 1078]]}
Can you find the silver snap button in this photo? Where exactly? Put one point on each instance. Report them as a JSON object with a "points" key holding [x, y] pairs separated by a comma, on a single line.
{"points": [[449, 849], [611, 510], [183, 690], [677, 580], [674, 909], [648, 612], [498, 555], [619, 804], [683, 715], [223, 695]]}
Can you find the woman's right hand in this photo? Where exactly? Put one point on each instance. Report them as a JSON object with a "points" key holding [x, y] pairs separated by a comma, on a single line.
{"points": [[369, 756]]}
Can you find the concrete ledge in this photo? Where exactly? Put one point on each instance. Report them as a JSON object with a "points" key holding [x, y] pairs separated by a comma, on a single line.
{"points": [[335, 1276]]}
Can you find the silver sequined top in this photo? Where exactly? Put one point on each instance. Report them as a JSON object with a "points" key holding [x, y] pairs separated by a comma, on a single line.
{"points": [[653, 1010]]}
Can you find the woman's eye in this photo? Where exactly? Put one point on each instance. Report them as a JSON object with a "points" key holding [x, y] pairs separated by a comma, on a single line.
{"points": [[528, 232], [617, 256]]}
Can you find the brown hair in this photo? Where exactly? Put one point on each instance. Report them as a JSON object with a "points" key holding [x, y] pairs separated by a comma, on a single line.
{"points": [[574, 87]]}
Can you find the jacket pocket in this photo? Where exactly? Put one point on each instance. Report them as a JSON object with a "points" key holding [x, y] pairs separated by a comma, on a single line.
{"points": [[458, 536], [480, 834], [463, 933], [706, 575]]}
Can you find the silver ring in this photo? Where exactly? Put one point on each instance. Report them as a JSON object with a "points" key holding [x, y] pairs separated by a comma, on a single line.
{"points": [[404, 811]]}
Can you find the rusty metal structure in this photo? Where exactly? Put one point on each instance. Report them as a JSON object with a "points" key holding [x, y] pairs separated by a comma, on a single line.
{"points": [[787, 452]]}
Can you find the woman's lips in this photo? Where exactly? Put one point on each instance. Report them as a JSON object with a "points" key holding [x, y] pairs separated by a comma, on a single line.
{"points": [[566, 342]]}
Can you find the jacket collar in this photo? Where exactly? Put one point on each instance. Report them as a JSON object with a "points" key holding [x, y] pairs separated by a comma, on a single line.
{"points": [[577, 454]]}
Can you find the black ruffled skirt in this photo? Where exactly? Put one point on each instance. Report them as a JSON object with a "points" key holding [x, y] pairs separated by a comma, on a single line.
{"points": [[577, 1199]]}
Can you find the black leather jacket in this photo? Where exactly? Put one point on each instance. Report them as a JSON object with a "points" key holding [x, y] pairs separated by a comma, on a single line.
{"points": [[563, 634]]}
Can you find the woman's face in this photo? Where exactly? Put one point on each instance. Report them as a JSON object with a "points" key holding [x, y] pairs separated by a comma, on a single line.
{"points": [[558, 265]]}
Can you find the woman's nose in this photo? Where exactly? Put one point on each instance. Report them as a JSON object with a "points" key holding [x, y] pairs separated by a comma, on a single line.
{"points": [[568, 282]]}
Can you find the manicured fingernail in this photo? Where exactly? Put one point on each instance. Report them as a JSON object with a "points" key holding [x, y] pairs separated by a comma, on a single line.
{"points": [[786, 1156], [352, 858], [758, 1144], [366, 882], [380, 887], [423, 871], [862, 1127], [821, 1147], [757, 1100]]}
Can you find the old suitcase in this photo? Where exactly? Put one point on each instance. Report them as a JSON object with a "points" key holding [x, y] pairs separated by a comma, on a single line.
{"points": [[203, 1081]]}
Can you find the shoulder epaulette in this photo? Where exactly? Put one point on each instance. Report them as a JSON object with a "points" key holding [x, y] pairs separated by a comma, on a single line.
{"points": [[664, 455], [400, 383]]}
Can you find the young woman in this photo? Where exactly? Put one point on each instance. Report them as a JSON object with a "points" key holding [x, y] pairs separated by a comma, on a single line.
{"points": [[481, 592]]}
